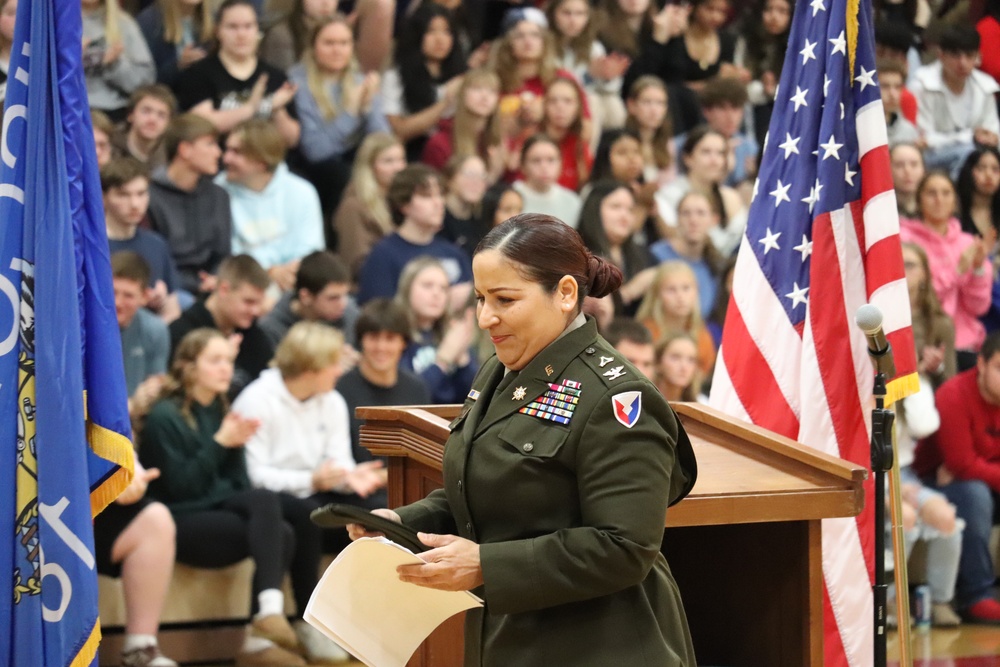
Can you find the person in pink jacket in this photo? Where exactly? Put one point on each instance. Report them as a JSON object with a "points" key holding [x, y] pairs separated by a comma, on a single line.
{"points": [[960, 271]]}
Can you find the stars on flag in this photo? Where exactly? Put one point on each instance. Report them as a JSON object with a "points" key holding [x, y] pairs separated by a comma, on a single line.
{"points": [[797, 295], [849, 175], [808, 51], [806, 247], [826, 85], [813, 195], [799, 98], [866, 78], [817, 6], [789, 145], [831, 148], [839, 44], [770, 241], [780, 193]]}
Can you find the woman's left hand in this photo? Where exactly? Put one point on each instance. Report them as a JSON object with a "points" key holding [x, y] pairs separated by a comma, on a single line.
{"points": [[452, 565]]}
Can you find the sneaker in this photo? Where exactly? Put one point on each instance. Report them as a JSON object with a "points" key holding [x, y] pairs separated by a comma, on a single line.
{"points": [[147, 656], [985, 611], [943, 616], [272, 656], [319, 648], [276, 628]]}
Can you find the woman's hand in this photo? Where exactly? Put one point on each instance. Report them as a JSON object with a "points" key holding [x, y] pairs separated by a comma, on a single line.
{"points": [[190, 55], [931, 359], [369, 89], [670, 22], [356, 531], [453, 565], [454, 346], [236, 430], [283, 95]]}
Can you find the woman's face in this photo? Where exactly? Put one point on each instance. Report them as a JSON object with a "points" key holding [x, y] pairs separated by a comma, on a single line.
{"points": [[510, 204], [562, 104], [634, 7], [571, 17], [213, 369], [238, 31], [679, 363], [678, 294], [986, 175], [649, 108], [616, 215], [319, 9], [334, 48], [707, 162], [429, 294], [694, 218], [7, 15], [520, 317], [937, 199], [914, 268], [711, 14], [542, 164], [527, 41], [481, 99], [625, 157], [438, 40], [907, 169], [777, 15], [388, 163], [469, 182]]}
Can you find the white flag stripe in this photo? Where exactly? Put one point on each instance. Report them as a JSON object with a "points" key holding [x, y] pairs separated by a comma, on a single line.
{"points": [[881, 218], [870, 122]]}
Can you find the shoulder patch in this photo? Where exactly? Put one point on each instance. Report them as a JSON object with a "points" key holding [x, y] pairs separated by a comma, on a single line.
{"points": [[627, 406]]}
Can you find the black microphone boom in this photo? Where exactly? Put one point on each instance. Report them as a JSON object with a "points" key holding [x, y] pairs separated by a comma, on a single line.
{"points": [[869, 320]]}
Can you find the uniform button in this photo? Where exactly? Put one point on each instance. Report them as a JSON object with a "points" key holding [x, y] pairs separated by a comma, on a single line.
{"points": [[460, 486], [468, 527], [590, 350], [528, 447]]}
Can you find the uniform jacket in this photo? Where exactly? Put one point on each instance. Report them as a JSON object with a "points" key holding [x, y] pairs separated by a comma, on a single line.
{"points": [[569, 516]]}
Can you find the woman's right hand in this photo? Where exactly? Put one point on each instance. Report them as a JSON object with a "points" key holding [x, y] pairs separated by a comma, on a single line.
{"points": [[236, 430], [356, 531]]}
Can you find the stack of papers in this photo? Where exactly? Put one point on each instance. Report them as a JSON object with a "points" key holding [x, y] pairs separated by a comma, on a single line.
{"points": [[361, 604]]}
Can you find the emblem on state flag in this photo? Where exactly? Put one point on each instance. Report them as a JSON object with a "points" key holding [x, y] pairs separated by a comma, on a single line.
{"points": [[627, 406]]}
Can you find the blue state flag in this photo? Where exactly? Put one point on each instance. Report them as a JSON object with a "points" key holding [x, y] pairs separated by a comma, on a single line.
{"points": [[64, 428]]}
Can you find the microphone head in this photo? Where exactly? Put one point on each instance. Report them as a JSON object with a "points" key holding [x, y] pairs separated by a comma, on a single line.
{"points": [[868, 318]]}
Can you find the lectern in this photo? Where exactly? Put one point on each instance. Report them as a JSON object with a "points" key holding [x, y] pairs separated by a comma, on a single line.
{"points": [[744, 546]]}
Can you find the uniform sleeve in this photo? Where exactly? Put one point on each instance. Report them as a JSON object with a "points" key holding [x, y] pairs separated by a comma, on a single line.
{"points": [[430, 515], [624, 480]]}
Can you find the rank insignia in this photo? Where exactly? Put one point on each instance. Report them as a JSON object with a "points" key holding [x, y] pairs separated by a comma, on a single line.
{"points": [[519, 394], [627, 406], [473, 394], [549, 370], [557, 404], [615, 373], [606, 360]]}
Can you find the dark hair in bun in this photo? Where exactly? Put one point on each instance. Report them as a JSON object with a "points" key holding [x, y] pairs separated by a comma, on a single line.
{"points": [[547, 249]]}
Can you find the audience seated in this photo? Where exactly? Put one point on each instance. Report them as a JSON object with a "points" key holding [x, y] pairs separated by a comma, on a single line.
{"points": [[8, 10], [125, 184], [960, 461], [762, 47], [467, 178], [908, 171], [186, 208], [287, 40], [145, 338], [634, 342], [321, 294], [417, 204], [649, 119], [678, 374], [562, 120], [276, 215], [383, 334], [541, 164], [179, 33], [672, 305], [892, 78], [233, 307], [150, 110], [475, 128], [439, 350], [957, 108], [116, 59], [104, 130], [723, 100]]}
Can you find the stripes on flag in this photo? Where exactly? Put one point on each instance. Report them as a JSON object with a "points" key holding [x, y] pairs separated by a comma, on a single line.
{"points": [[822, 239]]}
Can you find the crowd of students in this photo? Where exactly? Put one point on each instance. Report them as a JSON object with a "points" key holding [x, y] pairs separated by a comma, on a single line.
{"points": [[294, 189]]}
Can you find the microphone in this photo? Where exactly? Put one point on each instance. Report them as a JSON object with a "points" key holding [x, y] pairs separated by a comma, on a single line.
{"points": [[869, 320]]}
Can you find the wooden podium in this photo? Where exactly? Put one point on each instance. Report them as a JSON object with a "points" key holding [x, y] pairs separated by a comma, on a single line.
{"points": [[744, 546]]}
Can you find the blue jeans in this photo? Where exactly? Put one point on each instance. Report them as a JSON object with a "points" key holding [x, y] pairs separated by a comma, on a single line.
{"points": [[977, 504]]}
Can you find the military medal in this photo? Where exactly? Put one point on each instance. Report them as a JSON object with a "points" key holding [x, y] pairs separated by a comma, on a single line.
{"points": [[473, 394], [519, 394], [557, 404]]}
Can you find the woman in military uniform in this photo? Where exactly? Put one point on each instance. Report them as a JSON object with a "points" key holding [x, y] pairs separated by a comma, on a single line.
{"points": [[558, 473]]}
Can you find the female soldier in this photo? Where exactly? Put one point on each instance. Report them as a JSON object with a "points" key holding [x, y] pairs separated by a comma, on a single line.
{"points": [[557, 474]]}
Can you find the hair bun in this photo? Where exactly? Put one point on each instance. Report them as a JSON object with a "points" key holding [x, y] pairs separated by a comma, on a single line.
{"points": [[604, 276]]}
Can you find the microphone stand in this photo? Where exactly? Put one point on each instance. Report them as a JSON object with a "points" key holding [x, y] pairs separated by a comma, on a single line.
{"points": [[881, 457]]}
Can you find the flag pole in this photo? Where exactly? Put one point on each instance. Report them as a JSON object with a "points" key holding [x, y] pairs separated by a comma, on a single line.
{"points": [[882, 461], [899, 561]]}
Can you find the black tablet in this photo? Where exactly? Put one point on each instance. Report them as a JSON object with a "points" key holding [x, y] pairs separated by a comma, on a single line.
{"points": [[338, 515]]}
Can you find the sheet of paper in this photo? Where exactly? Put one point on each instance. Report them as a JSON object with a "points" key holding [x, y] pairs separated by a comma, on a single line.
{"points": [[362, 605]]}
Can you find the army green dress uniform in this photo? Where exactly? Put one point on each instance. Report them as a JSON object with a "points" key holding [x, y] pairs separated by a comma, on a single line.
{"points": [[566, 499]]}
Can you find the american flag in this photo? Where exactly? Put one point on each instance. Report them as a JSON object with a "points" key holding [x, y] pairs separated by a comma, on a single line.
{"points": [[822, 240]]}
